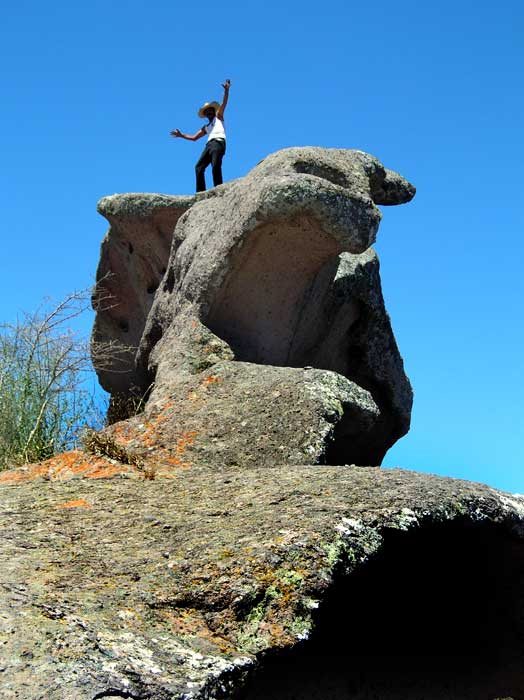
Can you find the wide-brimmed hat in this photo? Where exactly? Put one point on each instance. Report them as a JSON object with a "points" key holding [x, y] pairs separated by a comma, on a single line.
{"points": [[208, 105]]}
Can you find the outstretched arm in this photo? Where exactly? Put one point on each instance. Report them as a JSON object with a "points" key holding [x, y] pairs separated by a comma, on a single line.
{"points": [[226, 86], [189, 137]]}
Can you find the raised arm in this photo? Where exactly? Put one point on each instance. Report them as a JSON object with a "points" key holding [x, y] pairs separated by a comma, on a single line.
{"points": [[189, 137], [226, 86]]}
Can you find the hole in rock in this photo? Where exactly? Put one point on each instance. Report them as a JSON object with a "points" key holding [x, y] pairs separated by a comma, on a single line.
{"points": [[155, 333], [123, 325], [437, 614], [130, 248], [170, 281]]}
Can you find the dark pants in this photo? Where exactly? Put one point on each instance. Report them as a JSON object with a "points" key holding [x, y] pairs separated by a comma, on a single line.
{"points": [[212, 153]]}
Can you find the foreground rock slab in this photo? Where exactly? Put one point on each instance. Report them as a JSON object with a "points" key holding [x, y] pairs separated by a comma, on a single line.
{"points": [[280, 582]]}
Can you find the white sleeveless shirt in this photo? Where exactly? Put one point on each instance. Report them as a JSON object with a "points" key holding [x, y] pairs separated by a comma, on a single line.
{"points": [[215, 130]]}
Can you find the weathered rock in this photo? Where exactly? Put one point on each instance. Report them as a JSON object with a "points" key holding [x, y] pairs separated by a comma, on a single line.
{"points": [[278, 582], [133, 260], [348, 331], [239, 414], [255, 267], [247, 259]]}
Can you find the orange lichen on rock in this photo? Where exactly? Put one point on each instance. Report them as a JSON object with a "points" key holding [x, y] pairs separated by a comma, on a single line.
{"points": [[186, 439], [79, 503], [165, 460], [173, 457], [190, 623], [212, 379], [118, 450], [122, 431], [107, 471], [147, 432], [66, 466], [13, 476], [151, 434]]}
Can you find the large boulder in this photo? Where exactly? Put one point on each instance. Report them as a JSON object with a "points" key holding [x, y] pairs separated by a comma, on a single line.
{"points": [[238, 414], [274, 269], [273, 582]]}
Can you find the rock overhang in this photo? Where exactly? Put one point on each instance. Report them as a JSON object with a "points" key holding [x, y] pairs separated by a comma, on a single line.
{"points": [[436, 612], [350, 169], [350, 218]]}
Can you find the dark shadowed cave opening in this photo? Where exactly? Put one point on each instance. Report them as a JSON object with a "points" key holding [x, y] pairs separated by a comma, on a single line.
{"points": [[437, 614]]}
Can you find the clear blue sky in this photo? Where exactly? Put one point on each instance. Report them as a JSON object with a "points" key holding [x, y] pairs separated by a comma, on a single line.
{"points": [[91, 90]]}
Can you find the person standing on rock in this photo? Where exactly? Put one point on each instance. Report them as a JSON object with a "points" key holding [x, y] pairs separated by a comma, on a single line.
{"points": [[216, 140]]}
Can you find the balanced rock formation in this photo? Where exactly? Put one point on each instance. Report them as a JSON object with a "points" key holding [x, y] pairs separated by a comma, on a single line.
{"points": [[273, 270]]}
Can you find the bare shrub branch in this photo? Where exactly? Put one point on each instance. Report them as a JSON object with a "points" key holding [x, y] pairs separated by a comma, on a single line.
{"points": [[45, 368]]}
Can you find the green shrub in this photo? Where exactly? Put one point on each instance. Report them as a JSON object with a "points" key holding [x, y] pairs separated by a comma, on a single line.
{"points": [[45, 378]]}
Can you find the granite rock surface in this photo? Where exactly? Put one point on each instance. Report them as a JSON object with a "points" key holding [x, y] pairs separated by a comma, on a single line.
{"points": [[133, 259], [274, 269], [275, 582]]}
